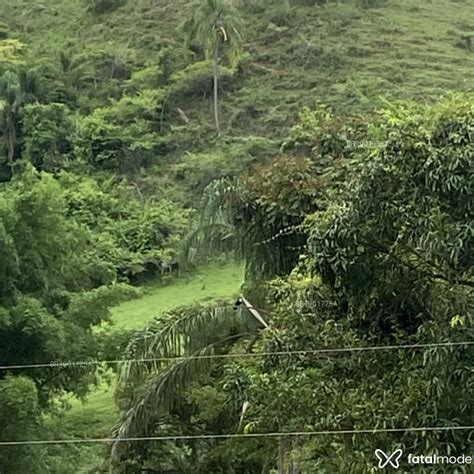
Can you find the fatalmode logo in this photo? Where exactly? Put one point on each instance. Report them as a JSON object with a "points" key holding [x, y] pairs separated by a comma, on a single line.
{"points": [[436, 459], [393, 459]]}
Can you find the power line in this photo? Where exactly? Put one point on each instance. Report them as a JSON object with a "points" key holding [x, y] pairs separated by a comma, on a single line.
{"points": [[237, 435], [65, 364]]}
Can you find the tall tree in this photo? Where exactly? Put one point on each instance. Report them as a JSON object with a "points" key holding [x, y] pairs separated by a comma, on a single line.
{"points": [[177, 351], [215, 26], [15, 91]]}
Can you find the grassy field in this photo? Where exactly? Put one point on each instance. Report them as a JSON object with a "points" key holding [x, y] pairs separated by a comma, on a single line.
{"points": [[97, 414], [209, 283], [95, 417], [337, 53]]}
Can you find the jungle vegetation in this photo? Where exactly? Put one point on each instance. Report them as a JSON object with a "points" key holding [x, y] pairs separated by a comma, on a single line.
{"points": [[326, 146]]}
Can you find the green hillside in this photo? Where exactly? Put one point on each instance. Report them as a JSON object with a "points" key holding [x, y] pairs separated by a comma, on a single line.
{"points": [[325, 144], [336, 53]]}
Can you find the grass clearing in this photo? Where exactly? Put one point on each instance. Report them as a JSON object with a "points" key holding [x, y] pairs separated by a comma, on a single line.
{"points": [[209, 283], [96, 415]]}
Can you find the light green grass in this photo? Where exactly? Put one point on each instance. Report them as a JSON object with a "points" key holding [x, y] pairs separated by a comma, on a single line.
{"points": [[96, 415], [210, 283]]}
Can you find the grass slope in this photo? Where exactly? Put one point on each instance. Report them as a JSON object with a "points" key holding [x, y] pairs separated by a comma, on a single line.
{"points": [[209, 283], [97, 414], [95, 417], [335, 53]]}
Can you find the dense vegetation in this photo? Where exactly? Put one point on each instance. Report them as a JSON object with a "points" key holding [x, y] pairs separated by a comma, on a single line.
{"points": [[329, 145]]}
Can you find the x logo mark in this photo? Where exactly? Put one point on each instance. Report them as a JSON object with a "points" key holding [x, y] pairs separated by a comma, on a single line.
{"points": [[392, 459]]}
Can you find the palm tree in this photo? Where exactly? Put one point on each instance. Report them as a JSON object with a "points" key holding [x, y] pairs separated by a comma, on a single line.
{"points": [[215, 26], [15, 91], [170, 354], [9, 92], [67, 75]]}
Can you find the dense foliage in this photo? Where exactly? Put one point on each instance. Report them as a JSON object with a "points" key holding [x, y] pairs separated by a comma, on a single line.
{"points": [[384, 259], [139, 139]]}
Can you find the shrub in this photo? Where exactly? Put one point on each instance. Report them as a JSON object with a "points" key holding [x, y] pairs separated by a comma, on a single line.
{"points": [[103, 6], [47, 132], [3, 31]]}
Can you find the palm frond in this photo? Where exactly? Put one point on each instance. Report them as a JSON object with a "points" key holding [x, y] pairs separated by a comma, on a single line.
{"points": [[206, 26], [159, 397], [178, 333], [162, 394], [217, 228]]}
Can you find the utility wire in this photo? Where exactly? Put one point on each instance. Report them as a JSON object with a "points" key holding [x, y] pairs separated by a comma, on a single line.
{"points": [[238, 435], [65, 364]]}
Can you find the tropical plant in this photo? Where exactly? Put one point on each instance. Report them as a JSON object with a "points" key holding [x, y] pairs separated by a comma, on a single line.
{"points": [[47, 135], [389, 264], [16, 89], [215, 26], [48, 307], [260, 216], [175, 351]]}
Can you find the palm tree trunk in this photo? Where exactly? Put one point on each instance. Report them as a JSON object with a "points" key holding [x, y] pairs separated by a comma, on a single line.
{"points": [[281, 456], [295, 467], [10, 138], [216, 88]]}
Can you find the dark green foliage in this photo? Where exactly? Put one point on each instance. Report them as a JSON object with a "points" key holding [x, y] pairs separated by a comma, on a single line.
{"points": [[369, 276], [20, 415], [363, 221], [410, 210], [48, 307], [103, 6], [372, 276], [48, 137], [170, 389]]}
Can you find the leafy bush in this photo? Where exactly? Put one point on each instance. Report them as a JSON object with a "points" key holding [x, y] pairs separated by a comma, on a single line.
{"points": [[197, 170], [129, 236], [122, 136], [318, 132], [47, 131]]}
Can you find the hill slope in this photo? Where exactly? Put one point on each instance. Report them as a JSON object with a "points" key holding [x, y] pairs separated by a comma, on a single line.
{"points": [[336, 53]]}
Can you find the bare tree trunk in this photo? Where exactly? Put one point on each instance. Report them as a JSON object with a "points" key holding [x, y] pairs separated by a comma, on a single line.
{"points": [[281, 456], [295, 444], [216, 88], [10, 134]]}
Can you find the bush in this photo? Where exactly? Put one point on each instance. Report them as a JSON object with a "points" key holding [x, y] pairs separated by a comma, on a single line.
{"points": [[4, 32], [48, 133], [103, 6]]}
